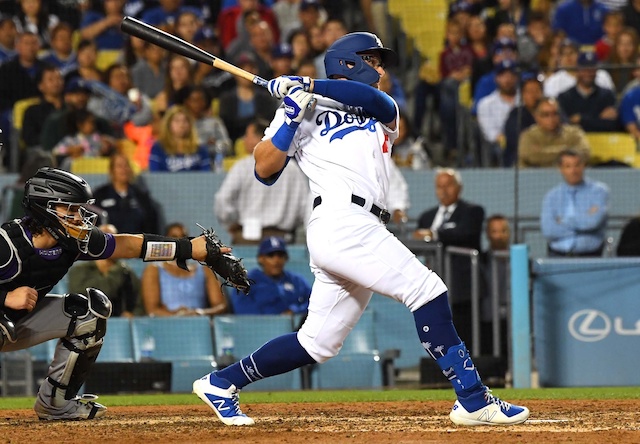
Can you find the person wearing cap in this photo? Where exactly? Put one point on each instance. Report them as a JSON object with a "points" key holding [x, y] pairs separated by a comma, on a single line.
{"points": [[540, 144], [229, 20], [167, 12], [493, 111], [586, 104], [580, 20], [565, 77], [7, 38], [502, 49], [281, 58], [76, 96], [274, 290]]}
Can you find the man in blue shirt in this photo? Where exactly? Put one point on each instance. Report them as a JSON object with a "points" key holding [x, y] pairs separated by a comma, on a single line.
{"points": [[274, 290], [581, 20], [574, 213]]}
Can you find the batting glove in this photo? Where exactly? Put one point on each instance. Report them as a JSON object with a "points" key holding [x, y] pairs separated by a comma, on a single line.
{"points": [[280, 86], [295, 105]]}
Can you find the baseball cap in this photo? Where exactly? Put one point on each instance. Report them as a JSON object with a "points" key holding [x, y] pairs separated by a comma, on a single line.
{"points": [[282, 50], [306, 4], [587, 58], [272, 244], [245, 58], [503, 43], [204, 33], [506, 65], [460, 6], [76, 84]]}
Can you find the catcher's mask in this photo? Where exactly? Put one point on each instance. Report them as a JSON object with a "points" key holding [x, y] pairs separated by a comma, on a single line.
{"points": [[56, 199]]}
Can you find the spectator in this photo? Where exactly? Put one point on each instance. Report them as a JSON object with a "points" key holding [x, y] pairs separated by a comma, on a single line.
{"points": [[307, 68], [7, 39], [629, 244], [274, 290], [540, 144], [102, 24], [55, 126], [261, 41], [245, 102], [188, 23], [581, 20], [33, 17], [316, 41], [118, 103], [409, 150], [586, 104], [51, 86], [485, 72], [455, 67], [210, 129], [574, 214], [565, 78], [242, 42], [249, 210], [635, 80], [168, 290], [514, 12], [498, 235], [624, 55], [281, 59], [215, 81], [179, 75], [631, 13], [311, 14], [61, 53], [115, 278], [286, 12], [300, 48], [166, 13], [148, 74], [86, 63], [129, 206], [332, 30], [84, 141], [477, 38], [454, 222], [520, 118], [494, 109], [229, 20], [19, 74], [613, 23], [177, 148], [628, 114], [531, 42]]}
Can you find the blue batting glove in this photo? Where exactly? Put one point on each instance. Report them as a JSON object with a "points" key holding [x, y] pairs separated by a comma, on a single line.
{"points": [[280, 86], [295, 105]]}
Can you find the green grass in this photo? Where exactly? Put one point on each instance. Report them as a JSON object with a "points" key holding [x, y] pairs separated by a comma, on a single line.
{"points": [[353, 396]]}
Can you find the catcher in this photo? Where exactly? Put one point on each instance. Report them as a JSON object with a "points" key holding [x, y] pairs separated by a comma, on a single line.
{"points": [[38, 250]]}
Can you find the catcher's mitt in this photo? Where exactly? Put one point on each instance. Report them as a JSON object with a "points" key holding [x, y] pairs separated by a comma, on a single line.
{"points": [[229, 267]]}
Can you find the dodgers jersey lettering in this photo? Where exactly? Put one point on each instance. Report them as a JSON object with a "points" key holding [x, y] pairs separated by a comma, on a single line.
{"points": [[335, 138]]}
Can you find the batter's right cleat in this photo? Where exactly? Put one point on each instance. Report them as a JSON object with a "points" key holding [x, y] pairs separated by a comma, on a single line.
{"points": [[222, 397], [78, 408], [485, 409]]}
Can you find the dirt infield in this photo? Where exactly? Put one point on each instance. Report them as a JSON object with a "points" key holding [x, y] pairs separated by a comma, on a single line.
{"points": [[594, 421]]}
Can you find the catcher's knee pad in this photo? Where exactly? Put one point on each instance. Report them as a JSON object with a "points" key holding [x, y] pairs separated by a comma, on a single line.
{"points": [[79, 349]]}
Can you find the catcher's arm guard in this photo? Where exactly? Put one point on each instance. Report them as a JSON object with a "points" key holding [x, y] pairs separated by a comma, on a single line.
{"points": [[226, 265]]}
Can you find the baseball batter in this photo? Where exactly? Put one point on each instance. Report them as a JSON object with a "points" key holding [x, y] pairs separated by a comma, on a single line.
{"points": [[35, 253], [343, 145]]}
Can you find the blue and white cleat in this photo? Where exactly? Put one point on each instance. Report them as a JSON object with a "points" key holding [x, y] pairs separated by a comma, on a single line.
{"points": [[486, 409], [222, 397]]}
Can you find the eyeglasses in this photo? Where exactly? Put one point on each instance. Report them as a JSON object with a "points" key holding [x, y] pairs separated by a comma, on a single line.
{"points": [[373, 61]]}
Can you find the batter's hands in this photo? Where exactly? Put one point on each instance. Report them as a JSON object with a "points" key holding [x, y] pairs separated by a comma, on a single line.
{"points": [[295, 105], [22, 298], [280, 86]]}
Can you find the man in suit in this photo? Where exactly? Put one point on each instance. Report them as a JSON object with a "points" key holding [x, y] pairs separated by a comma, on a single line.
{"points": [[454, 222]]}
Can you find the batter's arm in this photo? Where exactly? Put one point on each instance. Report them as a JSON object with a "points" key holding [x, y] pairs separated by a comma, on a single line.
{"points": [[270, 161]]}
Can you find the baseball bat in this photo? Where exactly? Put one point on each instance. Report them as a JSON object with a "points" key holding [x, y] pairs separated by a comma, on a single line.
{"points": [[175, 44]]}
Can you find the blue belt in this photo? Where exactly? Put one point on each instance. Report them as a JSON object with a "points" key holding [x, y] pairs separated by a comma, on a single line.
{"points": [[380, 213]]}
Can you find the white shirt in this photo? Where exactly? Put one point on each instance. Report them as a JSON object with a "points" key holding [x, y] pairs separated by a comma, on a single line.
{"points": [[493, 111], [561, 81], [341, 153]]}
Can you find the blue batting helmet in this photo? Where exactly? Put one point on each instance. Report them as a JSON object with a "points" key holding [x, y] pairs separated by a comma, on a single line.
{"points": [[347, 50]]}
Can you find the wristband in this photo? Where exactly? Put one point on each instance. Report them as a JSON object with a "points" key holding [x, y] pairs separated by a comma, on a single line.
{"points": [[284, 136], [163, 248]]}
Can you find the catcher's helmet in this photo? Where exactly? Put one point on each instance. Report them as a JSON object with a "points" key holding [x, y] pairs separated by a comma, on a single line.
{"points": [[343, 57], [56, 199]]}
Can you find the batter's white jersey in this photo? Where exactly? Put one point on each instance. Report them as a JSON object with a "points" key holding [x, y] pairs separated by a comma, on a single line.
{"points": [[352, 253]]}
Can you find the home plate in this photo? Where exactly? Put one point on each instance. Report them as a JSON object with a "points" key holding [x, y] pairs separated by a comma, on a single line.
{"points": [[541, 421]]}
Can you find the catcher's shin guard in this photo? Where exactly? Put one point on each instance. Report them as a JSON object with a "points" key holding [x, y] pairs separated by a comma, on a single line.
{"points": [[76, 353]]}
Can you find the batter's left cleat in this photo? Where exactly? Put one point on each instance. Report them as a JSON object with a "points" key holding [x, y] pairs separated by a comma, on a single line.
{"points": [[485, 409], [222, 397]]}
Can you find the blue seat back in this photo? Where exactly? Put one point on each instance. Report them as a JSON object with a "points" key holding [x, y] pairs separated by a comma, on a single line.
{"points": [[175, 337], [118, 342], [248, 332], [362, 337]]}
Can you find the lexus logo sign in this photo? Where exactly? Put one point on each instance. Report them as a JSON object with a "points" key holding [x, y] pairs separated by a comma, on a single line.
{"points": [[589, 325]]}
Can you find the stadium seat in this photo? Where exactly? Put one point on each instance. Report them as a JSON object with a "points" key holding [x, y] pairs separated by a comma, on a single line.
{"points": [[118, 342], [184, 341], [245, 334], [358, 363], [106, 58], [606, 147]]}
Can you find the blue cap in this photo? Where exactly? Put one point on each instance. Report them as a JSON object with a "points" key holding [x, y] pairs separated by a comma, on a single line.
{"points": [[587, 58], [306, 4], [272, 245], [503, 43], [76, 84], [204, 33], [282, 50], [506, 65]]}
